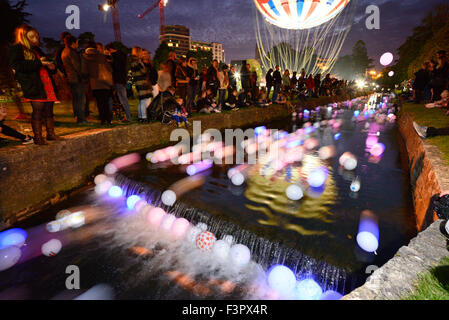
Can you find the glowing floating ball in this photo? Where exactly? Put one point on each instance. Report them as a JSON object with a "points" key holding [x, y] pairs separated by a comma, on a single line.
{"points": [[331, 295], [391, 73], [205, 241], [168, 197], [115, 192], [317, 177], [221, 250], [138, 207], [326, 152], [155, 216], [299, 14], [148, 156], [12, 237], [167, 222], [350, 163], [53, 226], [368, 234], [110, 169], [240, 255], [378, 149], [355, 185], [180, 228], [103, 188], [281, 279], [308, 289], [9, 256], [386, 58], [101, 178], [294, 192], [132, 201], [51, 248], [238, 179]]}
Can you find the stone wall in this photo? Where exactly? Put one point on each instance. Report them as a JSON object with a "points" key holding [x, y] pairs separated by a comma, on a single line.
{"points": [[41, 175]]}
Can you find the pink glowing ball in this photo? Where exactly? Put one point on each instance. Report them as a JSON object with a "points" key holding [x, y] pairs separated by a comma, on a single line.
{"points": [[155, 216], [386, 58], [371, 140], [205, 241], [378, 149], [167, 222], [180, 227]]}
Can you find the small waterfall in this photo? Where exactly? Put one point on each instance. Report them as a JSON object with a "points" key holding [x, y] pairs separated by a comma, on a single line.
{"points": [[263, 251]]}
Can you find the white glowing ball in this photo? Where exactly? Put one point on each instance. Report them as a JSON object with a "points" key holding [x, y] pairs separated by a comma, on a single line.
{"points": [[155, 216], [238, 179], [350, 163], [386, 59], [281, 279], [193, 233], [110, 169], [231, 172], [240, 255], [103, 188], [63, 214], [355, 185], [367, 241], [148, 156], [308, 289], [9, 256], [53, 226], [167, 222], [221, 250], [13, 237], [100, 179], [317, 177], [294, 192], [180, 228], [378, 149], [76, 220], [391, 73], [168, 197], [51, 248]]}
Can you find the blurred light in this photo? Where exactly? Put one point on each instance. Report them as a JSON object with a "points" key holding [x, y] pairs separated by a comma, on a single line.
{"points": [[240, 255], [180, 227], [281, 279], [115, 192], [368, 233], [317, 177], [199, 167], [51, 248], [155, 216], [308, 289], [331, 295], [337, 136], [391, 73], [13, 237], [386, 58], [9, 256], [294, 192], [168, 197], [131, 201]]}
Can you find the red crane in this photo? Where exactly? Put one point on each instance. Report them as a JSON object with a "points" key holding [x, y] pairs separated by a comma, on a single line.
{"points": [[161, 4], [112, 4]]}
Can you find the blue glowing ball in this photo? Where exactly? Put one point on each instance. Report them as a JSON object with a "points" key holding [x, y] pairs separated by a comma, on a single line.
{"points": [[131, 201], [259, 130], [115, 192], [281, 279], [331, 295], [356, 113], [309, 130], [337, 136], [12, 237], [308, 289]]}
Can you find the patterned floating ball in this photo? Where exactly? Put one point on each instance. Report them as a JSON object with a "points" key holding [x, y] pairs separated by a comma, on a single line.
{"points": [[9, 256], [168, 197], [294, 192], [281, 279], [378, 149], [205, 241], [13, 237], [308, 289], [100, 179], [240, 255], [155, 216], [115, 192], [51, 248], [167, 222], [221, 250], [180, 228], [331, 295], [131, 201]]}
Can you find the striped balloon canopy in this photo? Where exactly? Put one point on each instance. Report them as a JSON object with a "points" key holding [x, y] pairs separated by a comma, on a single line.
{"points": [[299, 14]]}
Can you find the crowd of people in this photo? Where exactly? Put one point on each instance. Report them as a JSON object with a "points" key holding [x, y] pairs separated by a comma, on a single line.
{"points": [[169, 94]]}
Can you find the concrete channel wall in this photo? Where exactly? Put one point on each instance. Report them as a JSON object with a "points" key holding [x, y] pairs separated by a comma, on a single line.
{"points": [[36, 176], [429, 175]]}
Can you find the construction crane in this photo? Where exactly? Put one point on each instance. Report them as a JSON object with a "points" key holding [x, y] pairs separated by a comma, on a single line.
{"points": [[161, 4], [112, 4]]}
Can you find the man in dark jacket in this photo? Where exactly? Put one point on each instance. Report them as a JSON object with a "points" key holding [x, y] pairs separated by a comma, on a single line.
{"points": [[277, 81], [212, 78], [422, 78], [120, 76], [72, 65], [171, 63]]}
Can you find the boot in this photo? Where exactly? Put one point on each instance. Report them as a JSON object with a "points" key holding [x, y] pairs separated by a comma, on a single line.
{"points": [[50, 125], [37, 130]]}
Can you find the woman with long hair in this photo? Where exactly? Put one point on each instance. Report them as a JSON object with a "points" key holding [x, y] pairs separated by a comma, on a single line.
{"points": [[32, 71]]}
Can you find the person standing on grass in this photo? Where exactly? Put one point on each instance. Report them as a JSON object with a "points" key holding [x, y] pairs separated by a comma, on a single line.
{"points": [[32, 70], [245, 76], [212, 79], [269, 82], [286, 82], [95, 66], [140, 75], [72, 65], [232, 81], [277, 82], [120, 76], [152, 74], [171, 64], [223, 77], [182, 79], [194, 83]]}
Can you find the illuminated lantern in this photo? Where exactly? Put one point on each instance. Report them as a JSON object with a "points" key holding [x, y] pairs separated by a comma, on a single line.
{"points": [[180, 227], [281, 279], [9, 256], [155, 216], [331, 295], [308, 289], [12, 237], [205, 241], [51, 248], [240, 255]]}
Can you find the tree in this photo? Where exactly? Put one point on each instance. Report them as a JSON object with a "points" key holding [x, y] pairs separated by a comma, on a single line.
{"points": [[204, 58], [344, 68], [161, 54], [360, 59]]}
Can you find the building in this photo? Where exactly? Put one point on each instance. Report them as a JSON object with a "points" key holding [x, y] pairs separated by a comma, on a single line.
{"points": [[177, 38], [216, 49]]}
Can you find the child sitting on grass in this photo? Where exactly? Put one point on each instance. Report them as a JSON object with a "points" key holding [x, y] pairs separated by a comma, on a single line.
{"points": [[244, 100], [261, 99], [231, 104]]}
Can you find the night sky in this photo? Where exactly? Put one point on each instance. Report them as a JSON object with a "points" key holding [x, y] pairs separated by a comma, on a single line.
{"points": [[230, 22]]}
